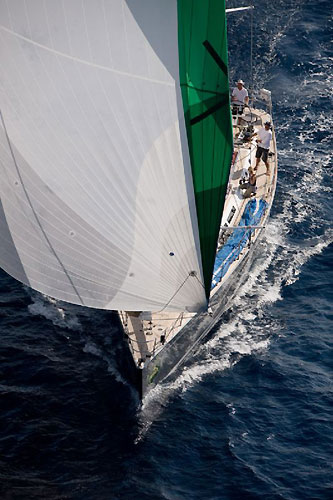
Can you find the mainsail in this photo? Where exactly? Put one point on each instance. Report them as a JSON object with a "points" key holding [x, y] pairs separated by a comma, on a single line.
{"points": [[205, 90], [97, 205]]}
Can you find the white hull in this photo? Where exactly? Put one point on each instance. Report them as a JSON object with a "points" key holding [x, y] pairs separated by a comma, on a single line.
{"points": [[161, 341]]}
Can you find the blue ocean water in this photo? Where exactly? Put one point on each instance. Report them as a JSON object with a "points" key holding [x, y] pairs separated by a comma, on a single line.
{"points": [[250, 416]]}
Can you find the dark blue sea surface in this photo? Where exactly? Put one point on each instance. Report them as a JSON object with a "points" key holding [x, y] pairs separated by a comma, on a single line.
{"points": [[250, 416]]}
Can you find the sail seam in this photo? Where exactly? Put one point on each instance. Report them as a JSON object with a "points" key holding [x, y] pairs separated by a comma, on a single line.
{"points": [[87, 63], [34, 212]]}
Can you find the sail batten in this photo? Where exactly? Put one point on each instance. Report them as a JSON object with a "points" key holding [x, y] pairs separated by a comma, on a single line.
{"points": [[100, 208]]}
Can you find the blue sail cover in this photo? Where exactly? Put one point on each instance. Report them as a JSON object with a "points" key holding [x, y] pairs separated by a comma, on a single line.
{"points": [[252, 215]]}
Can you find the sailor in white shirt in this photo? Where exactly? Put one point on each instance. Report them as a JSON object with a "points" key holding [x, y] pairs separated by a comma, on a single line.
{"points": [[264, 140], [239, 97]]}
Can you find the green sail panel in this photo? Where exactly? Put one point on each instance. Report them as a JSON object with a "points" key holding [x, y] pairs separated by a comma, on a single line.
{"points": [[203, 67]]}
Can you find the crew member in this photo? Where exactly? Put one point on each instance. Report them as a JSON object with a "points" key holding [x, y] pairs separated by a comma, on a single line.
{"points": [[264, 139], [251, 185], [239, 97]]}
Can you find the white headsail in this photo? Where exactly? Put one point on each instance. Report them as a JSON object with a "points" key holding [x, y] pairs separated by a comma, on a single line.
{"points": [[97, 204]]}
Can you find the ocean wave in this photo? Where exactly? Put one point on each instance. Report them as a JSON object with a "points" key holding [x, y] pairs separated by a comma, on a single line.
{"points": [[50, 308], [278, 263]]}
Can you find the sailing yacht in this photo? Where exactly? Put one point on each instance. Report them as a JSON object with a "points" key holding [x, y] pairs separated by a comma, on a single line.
{"points": [[122, 166]]}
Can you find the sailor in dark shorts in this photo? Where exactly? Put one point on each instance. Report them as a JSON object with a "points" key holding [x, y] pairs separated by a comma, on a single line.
{"points": [[264, 140]]}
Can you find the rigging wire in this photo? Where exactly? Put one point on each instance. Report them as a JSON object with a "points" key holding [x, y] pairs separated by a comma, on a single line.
{"points": [[251, 52], [191, 274]]}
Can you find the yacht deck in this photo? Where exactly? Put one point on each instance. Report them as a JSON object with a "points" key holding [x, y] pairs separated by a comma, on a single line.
{"points": [[148, 332]]}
